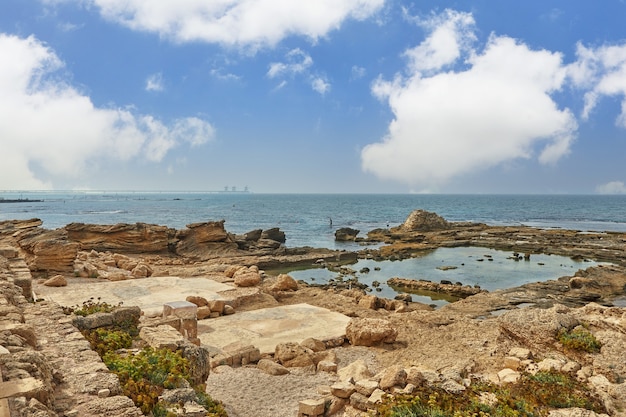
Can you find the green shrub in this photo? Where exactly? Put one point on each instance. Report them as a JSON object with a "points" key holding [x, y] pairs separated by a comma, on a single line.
{"points": [[145, 375], [90, 307], [579, 339], [531, 396], [104, 340]]}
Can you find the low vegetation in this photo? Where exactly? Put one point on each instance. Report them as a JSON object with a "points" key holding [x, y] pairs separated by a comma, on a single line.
{"points": [[91, 306], [579, 339], [532, 396], [144, 374]]}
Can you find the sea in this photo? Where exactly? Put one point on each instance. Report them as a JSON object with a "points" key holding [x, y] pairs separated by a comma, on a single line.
{"points": [[312, 219]]}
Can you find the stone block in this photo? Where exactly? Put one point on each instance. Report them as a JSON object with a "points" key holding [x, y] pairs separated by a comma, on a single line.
{"points": [[375, 398], [162, 337], [181, 309], [366, 387], [342, 389], [311, 408], [327, 366]]}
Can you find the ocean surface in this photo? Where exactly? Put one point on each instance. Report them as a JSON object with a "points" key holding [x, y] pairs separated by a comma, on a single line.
{"points": [[312, 219], [306, 218]]}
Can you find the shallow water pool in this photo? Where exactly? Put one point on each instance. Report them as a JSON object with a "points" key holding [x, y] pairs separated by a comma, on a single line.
{"points": [[489, 268]]}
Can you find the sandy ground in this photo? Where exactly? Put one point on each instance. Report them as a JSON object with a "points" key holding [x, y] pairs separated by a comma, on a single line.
{"points": [[248, 392]]}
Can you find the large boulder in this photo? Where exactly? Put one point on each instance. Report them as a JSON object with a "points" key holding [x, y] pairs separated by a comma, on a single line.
{"points": [[48, 250], [370, 332], [274, 234], [205, 241], [285, 282], [247, 277], [293, 355], [346, 234], [424, 221]]}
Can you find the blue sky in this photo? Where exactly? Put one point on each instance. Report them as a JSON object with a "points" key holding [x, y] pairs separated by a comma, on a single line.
{"points": [[324, 96]]}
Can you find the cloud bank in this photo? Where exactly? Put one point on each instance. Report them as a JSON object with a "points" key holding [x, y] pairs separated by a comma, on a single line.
{"points": [[613, 187], [241, 23], [449, 122], [461, 108], [49, 125]]}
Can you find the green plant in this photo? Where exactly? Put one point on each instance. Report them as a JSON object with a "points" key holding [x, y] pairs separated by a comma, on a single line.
{"points": [[145, 375], [91, 307], [531, 396], [579, 339], [104, 340]]}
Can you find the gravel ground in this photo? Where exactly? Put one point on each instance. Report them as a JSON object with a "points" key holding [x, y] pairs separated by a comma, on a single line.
{"points": [[249, 392]]}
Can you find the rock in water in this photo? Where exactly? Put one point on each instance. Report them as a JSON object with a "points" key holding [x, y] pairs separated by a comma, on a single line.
{"points": [[424, 221]]}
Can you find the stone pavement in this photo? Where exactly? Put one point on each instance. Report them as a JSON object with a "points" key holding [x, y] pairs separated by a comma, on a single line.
{"points": [[149, 294], [263, 328], [267, 327]]}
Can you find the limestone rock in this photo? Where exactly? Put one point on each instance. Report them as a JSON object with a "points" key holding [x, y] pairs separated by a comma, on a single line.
{"points": [[205, 241], [142, 270], [366, 387], [274, 234], [370, 332], [394, 376], [313, 344], [203, 312], [272, 368], [327, 366], [162, 337], [247, 278], [292, 355], [56, 281], [356, 371], [197, 300], [122, 237], [346, 234], [217, 306], [415, 376], [424, 221], [285, 282], [49, 250], [342, 389], [508, 375]]}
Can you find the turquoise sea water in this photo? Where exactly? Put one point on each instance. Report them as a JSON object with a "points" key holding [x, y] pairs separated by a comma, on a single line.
{"points": [[305, 219]]}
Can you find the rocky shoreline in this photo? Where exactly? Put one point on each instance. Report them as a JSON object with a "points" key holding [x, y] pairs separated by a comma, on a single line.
{"points": [[43, 356]]}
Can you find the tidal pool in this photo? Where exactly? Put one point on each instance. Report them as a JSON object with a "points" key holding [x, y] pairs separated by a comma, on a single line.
{"points": [[489, 268]]}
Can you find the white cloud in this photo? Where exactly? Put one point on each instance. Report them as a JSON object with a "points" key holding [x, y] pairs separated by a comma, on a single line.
{"points": [[246, 23], [48, 124], [496, 109], [298, 61], [155, 82], [603, 72], [451, 34], [320, 85], [613, 187]]}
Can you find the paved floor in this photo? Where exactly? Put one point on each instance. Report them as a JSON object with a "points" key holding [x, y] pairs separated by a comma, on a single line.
{"points": [[267, 327], [148, 293], [263, 328]]}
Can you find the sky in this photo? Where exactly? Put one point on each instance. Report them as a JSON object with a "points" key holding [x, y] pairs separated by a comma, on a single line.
{"points": [[314, 96]]}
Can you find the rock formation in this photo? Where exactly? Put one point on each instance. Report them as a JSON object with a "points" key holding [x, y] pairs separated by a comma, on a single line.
{"points": [[424, 221]]}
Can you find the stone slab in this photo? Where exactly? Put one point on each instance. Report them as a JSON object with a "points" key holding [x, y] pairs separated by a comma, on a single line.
{"points": [[267, 327], [149, 294], [19, 387]]}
